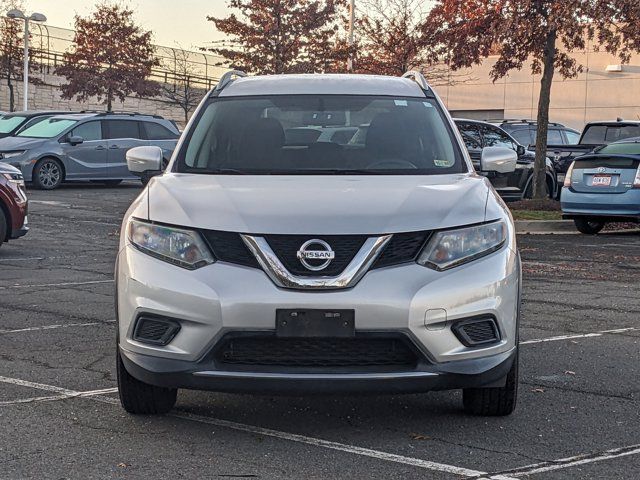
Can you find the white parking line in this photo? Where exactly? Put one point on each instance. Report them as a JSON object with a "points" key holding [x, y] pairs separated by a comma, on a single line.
{"points": [[575, 461], [53, 398], [51, 327], [64, 284], [581, 335], [317, 442]]}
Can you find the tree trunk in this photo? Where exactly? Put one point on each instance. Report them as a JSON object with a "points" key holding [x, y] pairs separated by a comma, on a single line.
{"points": [[109, 100], [540, 168], [12, 98]]}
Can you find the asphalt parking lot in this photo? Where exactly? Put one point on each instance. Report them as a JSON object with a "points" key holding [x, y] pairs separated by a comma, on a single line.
{"points": [[578, 414]]}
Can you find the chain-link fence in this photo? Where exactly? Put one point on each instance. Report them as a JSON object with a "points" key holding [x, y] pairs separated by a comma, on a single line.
{"points": [[49, 44]]}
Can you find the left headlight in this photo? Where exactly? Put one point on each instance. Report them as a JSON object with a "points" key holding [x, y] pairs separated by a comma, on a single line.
{"points": [[181, 247], [450, 248], [16, 178], [12, 154]]}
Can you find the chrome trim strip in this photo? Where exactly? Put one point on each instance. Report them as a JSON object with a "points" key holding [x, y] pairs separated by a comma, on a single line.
{"points": [[351, 275], [315, 376]]}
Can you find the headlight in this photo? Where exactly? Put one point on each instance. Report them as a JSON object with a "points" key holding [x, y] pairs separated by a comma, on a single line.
{"points": [[16, 178], [184, 248], [12, 154], [450, 248]]}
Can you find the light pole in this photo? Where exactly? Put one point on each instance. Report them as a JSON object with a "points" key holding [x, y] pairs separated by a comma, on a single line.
{"points": [[36, 17], [352, 18]]}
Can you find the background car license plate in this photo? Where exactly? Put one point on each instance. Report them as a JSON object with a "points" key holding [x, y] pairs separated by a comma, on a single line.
{"points": [[602, 180], [315, 323]]}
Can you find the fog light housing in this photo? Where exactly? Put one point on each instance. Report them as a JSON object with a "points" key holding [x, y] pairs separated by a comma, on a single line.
{"points": [[477, 331], [155, 330]]}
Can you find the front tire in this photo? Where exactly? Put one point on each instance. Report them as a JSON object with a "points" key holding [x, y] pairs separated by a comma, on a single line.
{"points": [[140, 398], [492, 401], [48, 174], [588, 226]]}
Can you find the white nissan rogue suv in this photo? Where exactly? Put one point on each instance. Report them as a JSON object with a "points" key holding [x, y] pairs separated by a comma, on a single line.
{"points": [[318, 233]]}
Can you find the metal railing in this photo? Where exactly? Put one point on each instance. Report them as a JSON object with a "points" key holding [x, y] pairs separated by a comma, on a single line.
{"points": [[50, 43]]}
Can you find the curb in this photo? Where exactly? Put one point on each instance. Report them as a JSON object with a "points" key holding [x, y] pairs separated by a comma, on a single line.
{"points": [[545, 226]]}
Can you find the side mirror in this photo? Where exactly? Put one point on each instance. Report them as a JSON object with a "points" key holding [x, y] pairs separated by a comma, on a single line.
{"points": [[144, 159], [498, 159], [520, 150], [75, 140]]}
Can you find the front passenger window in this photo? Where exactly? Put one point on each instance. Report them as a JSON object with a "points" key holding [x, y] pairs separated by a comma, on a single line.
{"points": [[88, 131]]}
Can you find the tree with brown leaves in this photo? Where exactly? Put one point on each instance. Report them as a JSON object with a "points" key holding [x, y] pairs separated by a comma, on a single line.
{"points": [[12, 49], [391, 41], [281, 36], [112, 57], [542, 32]]}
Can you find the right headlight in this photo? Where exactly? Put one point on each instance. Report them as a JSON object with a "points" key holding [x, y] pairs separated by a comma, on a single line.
{"points": [[181, 247], [450, 248]]}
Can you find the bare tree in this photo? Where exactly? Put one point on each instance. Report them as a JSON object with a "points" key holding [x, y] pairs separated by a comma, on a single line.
{"points": [[391, 41], [181, 90]]}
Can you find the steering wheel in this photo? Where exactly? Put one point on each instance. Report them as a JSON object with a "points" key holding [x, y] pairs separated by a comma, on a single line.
{"points": [[391, 164]]}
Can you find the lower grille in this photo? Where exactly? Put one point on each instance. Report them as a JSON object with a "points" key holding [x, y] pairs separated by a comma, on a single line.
{"points": [[316, 352], [476, 332]]}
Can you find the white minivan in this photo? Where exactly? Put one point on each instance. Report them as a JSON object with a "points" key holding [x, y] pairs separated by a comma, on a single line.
{"points": [[271, 257]]}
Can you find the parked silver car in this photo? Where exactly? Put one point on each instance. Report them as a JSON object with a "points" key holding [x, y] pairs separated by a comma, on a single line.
{"points": [[257, 264], [88, 146]]}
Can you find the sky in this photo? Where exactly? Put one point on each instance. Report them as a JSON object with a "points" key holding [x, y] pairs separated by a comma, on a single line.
{"points": [[175, 23]]}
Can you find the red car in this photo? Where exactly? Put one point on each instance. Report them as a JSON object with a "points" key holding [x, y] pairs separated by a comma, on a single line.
{"points": [[13, 204]]}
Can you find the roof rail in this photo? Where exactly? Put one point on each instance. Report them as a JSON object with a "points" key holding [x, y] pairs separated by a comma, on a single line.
{"points": [[227, 78], [131, 114], [418, 78]]}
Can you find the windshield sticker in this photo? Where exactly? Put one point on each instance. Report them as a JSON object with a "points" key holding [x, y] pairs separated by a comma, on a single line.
{"points": [[427, 104], [442, 163], [401, 103]]}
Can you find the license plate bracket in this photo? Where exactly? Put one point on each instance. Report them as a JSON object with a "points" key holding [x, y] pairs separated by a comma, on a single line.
{"points": [[315, 323], [601, 180]]}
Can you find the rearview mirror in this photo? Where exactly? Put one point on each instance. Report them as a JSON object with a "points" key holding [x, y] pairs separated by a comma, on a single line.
{"points": [[520, 150], [144, 159], [75, 140], [498, 159]]}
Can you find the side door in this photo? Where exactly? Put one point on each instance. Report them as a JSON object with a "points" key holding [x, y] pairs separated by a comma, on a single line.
{"points": [[158, 135], [121, 136], [86, 160]]}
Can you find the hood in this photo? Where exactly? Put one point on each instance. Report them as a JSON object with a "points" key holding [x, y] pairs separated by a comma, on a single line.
{"points": [[318, 204], [20, 143]]}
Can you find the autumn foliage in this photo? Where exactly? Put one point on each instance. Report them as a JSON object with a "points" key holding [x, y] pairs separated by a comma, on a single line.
{"points": [[282, 36], [112, 57]]}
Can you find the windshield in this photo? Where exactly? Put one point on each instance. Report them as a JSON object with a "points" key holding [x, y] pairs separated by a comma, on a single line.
{"points": [[49, 128], [627, 148], [321, 134], [9, 122]]}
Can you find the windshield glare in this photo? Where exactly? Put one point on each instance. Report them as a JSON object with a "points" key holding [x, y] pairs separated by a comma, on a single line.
{"points": [[8, 123], [48, 128], [318, 134]]}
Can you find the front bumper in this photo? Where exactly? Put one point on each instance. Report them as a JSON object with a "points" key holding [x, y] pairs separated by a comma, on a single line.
{"points": [[409, 299], [619, 206], [483, 372]]}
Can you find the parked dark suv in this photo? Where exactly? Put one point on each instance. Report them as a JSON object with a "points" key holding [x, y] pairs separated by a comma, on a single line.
{"points": [[13, 204], [511, 186], [526, 131]]}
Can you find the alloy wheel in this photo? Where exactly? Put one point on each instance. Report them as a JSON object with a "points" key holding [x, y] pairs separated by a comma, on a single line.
{"points": [[49, 174]]}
